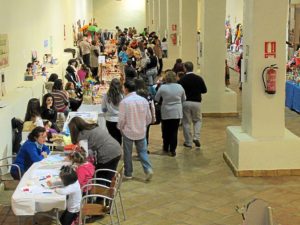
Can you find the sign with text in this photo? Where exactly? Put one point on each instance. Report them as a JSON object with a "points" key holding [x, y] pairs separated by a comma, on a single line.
{"points": [[101, 59], [270, 49]]}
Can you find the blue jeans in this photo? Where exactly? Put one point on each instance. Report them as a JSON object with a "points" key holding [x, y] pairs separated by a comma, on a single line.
{"points": [[141, 147]]}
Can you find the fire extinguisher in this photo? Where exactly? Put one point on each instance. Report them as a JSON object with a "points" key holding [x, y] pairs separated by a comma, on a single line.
{"points": [[269, 79]]}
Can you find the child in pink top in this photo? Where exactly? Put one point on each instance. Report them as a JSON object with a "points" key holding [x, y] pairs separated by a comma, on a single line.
{"points": [[84, 169], [82, 73]]}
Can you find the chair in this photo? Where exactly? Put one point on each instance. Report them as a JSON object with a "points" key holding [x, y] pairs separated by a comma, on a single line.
{"points": [[7, 183], [121, 174], [89, 208], [6, 179]]}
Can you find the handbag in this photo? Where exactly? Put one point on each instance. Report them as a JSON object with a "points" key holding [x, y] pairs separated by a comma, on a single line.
{"points": [[157, 107]]}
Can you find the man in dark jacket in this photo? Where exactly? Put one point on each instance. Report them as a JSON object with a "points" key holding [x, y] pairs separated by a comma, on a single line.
{"points": [[194, 86]]}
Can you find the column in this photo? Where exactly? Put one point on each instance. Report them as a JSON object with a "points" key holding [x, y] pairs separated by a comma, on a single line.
{"points": [[218, 100], [262, 146], [189, 31], [174, 27], [150, 14], [163, 19]]}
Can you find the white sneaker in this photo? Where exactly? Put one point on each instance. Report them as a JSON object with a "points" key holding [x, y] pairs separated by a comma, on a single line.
{"points": [[149, 176], [127, 177]]}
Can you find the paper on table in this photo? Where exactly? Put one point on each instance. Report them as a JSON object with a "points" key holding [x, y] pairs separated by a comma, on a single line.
{"points": [[33, 189], [44, 173], [54, 158]]}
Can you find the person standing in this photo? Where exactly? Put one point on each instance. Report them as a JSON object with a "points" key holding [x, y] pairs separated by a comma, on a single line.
{"points": [[104, 147], [85, 50], [173, 96], [159, 54], [95, 52], [110, 106], [194, 86], [134, 116]]}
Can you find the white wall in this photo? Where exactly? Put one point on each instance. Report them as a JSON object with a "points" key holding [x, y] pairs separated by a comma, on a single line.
{"points": [[28, 23], [125, 13], [234, 11]]}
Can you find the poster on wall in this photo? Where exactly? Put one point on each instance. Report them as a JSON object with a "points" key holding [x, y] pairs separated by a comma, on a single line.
{"points": [[4, 51]]}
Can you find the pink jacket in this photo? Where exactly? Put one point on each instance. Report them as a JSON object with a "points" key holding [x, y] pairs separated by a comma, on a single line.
{"points": [[85, 172]]}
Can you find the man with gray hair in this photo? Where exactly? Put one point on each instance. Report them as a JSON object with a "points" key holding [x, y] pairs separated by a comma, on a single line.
{"points": [[194, 86]]}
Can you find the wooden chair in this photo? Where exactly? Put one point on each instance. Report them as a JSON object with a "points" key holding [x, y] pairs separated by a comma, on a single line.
{"points": [[89, 207], [121, 175]]}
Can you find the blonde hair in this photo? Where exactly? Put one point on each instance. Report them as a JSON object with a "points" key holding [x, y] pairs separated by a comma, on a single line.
{"points": [[78, 156], [170, 77]]}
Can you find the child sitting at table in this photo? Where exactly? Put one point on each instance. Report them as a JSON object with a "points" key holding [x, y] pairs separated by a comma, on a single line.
{"points": [[85, 170], [72, 190]]}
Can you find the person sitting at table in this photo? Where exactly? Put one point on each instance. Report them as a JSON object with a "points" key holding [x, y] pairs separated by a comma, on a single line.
{"points": [[71, 70], [48, 111], [84, 169], [71, 189], [99, 141], [33, 150], [33, 115], [75, 98], [110, 106], [61, 97], [49, 84]]}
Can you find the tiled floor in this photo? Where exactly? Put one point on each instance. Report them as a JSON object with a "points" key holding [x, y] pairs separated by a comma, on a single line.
{"points": [[196, 187]]}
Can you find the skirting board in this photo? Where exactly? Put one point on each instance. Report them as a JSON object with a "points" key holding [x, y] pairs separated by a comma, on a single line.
{"points": [[260, 173], [233, 114]]}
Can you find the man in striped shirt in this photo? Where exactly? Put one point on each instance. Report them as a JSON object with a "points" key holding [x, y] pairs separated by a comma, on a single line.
{"points": [[134, 116]]}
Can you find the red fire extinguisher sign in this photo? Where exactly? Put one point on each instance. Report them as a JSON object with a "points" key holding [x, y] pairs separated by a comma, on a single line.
{"points": [[270, 49]]}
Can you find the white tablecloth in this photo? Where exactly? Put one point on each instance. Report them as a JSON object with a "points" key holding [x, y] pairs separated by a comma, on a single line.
{"points": [[91, 108], [38, 198], [94, 108]]}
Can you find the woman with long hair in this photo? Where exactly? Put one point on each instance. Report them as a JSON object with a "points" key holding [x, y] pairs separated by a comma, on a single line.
{"points": [[33, 112], [110, 106], [61, 97], [48, 110], [106, 149], [151, 69]]}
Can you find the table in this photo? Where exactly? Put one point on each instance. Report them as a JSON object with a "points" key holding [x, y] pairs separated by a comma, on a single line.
{"points": [[292, 96], [91, 108], [94, 108], [30, 197]]}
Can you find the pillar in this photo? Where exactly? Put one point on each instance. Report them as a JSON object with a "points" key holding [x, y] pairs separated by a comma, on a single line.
{"points": [[163, 19], [262, 145], [174, 27], [189, 31], [218, 100]]}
